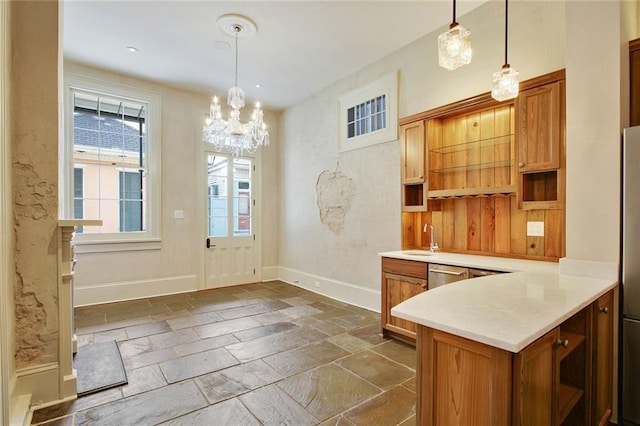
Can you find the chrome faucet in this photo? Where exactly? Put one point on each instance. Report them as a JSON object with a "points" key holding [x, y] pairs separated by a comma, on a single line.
{"points": [[433, 246]]}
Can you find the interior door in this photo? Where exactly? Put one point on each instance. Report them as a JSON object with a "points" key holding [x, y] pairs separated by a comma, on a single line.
{"points": [[230, 241]]}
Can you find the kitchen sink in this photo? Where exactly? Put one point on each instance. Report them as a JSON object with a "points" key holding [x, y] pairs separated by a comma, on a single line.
{"points": [[419, 252]]}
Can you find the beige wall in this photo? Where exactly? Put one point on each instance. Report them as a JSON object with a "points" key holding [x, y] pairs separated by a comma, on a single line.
{"points": [[34, 142], [174, 267]]}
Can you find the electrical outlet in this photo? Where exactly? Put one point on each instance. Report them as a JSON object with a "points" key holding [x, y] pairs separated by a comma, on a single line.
{"points": [[535, 229], [178, 214], [317, 284]]}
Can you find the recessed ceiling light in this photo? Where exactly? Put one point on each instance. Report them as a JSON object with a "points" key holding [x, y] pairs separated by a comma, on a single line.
{"points": [[258, 86], [132, 49]]}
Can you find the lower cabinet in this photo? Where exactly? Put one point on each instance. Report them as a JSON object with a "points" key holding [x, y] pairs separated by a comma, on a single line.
{"points": [[401, 279], [563, 378]]}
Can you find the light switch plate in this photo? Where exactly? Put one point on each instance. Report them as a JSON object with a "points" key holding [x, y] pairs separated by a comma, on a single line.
{"points": [[535, 229], [178, 214]]}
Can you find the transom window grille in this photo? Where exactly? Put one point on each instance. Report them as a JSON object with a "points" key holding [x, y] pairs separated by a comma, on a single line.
{"points": [[367, 117]]}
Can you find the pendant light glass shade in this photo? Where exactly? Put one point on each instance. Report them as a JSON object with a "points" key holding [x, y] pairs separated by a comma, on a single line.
{"points": [[454, 47], [505, 84]]}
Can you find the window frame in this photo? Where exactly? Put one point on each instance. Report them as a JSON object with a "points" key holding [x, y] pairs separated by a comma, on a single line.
{"points": [[386, 86], [117, 241]]}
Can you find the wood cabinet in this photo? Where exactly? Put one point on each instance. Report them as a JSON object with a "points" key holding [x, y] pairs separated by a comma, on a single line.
{"points": [[540, 141], [563, 378], [401, 280], [603, 359], [414, 167]]}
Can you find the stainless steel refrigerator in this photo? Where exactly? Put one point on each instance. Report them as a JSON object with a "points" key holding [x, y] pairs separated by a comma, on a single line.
{"points": [[630, 276]]}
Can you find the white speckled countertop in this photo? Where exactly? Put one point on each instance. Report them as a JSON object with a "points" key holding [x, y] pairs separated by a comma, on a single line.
{"points": [[507, 311]]}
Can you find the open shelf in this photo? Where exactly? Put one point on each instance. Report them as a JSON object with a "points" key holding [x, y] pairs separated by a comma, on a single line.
{"points": [[442, 194], [568, 397], [504, 141], [575, 340], [473, 166]]}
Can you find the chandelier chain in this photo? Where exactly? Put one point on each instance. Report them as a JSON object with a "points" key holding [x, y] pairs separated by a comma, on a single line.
{"points": [[237, 29], [506, 29]]}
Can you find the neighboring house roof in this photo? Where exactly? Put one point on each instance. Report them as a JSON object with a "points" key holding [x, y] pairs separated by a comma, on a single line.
{"points": [[104, 132]]}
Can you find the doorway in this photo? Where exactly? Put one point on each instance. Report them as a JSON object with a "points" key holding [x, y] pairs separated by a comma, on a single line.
{"points": [[230, 254]]}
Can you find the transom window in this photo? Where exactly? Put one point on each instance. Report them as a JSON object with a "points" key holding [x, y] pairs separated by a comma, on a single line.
{"points": [[367, 117]]}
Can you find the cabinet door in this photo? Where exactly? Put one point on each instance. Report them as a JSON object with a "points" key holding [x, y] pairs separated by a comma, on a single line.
{"points": [[412, 151], [539, 128], [534, 379], [397, 289], [603, 359]]}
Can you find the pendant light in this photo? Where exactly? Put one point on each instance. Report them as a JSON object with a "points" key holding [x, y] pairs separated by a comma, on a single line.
{"points": [[505, 81], [454, 45]]}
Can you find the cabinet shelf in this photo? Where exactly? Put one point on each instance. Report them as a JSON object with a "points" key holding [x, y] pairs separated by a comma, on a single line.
{"points": [[442, 194], [479, 144], [575, 340], [568, 397], [473, 166]]}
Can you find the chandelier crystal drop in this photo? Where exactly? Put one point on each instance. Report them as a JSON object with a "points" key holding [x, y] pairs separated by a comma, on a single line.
{"points": [[454, 45], [505, 83], [232, 135]]}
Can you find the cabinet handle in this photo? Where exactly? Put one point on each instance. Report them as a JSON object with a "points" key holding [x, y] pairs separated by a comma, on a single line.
{"points": [[564, 343], [604, 309], [424, 285], [520, 165]]}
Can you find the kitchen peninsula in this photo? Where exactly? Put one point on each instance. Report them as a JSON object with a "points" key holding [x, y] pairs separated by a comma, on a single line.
{"points": [[531, 347]]}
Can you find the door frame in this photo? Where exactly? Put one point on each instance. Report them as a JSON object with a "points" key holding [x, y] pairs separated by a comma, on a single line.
{"points": [[6, 369], [201, 207]]}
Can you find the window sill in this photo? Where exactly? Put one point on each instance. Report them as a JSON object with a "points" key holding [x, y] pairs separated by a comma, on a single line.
{"points": [[81, 247]]}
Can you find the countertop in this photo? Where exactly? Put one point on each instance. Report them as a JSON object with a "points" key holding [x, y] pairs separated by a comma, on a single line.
{"points": [[507, 311], [502, 264]]}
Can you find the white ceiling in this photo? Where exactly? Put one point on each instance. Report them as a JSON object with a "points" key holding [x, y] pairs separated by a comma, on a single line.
{"points": [[300, 47]]}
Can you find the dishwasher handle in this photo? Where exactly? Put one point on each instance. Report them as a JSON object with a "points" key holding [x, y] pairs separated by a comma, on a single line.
{"points": [[442, 271]]}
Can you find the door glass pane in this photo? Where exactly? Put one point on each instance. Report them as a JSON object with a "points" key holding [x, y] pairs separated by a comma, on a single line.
{"points": [[217, 197], [241, 196]]}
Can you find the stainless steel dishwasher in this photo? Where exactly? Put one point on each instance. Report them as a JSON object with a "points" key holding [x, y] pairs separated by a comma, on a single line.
{"points": [[445, 274]]}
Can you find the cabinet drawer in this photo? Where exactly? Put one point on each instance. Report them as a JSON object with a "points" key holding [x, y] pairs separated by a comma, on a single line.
{"points": [[409, 268]]}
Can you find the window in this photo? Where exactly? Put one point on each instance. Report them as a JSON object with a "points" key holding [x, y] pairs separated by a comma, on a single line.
{"points": [[368, 115], [113, 149]]}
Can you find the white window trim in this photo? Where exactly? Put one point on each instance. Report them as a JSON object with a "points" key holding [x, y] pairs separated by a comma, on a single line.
{"points": [[95, 243], [386, 85]]}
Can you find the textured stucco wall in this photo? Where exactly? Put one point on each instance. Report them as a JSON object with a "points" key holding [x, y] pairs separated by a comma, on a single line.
{"points": [[309, 143], [34, 139]]}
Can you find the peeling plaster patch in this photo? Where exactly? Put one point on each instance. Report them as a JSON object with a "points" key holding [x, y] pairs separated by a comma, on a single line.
{"points": [[31, 317], [33, 192], [335, 192]]}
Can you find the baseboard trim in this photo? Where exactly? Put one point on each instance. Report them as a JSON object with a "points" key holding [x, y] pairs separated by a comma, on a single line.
{"points": [[345, 292], [41, 382], [129, 290], [270, 273]]}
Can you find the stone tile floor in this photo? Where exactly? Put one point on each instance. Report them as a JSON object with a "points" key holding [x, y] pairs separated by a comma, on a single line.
{"points": [[267, 353]]}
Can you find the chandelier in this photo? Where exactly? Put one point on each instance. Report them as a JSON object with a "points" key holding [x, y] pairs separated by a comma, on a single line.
{"points": [[232, 135], [454, 45], [505, 81]]}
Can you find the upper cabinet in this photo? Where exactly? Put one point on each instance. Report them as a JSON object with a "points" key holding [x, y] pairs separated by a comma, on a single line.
{"points": [[539, 128], [480, 171], [414, 167], [412, 152], [540, 140]]}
